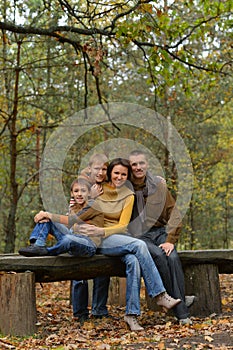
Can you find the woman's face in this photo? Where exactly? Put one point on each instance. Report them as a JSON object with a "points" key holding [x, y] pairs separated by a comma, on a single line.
{"points": [[119, 175]]}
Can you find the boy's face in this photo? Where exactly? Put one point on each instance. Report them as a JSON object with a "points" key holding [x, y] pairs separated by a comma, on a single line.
{"points": [[98, 172], [80, 193]]}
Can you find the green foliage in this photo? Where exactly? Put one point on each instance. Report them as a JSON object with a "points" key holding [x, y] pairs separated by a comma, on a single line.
{"points": [[175, 59]]}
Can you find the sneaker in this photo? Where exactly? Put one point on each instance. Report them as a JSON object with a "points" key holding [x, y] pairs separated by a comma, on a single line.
{"points": [[33, 250], [166, 301], [189, 300], [185, 321], [132, 322]]}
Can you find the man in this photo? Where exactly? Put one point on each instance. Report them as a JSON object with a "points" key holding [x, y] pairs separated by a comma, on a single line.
{"points": [[96, 174], [157, 221]]}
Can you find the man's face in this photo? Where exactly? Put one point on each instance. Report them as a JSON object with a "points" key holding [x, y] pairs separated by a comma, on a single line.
{"points": [[98, 172], [139, 166]]}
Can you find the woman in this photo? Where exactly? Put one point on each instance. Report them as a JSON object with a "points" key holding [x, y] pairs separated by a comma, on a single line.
{"points": [[116, 203]]}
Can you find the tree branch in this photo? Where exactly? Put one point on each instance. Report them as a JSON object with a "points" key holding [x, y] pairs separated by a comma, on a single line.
{"points": [[53, 31], [176, 57]]}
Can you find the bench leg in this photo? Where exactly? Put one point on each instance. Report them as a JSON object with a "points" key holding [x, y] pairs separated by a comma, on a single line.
{"points": [[117, 291], [17, 304], [202, 280]]}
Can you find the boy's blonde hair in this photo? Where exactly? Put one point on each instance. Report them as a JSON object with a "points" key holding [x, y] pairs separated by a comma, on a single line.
{"points": [[98, 157]]}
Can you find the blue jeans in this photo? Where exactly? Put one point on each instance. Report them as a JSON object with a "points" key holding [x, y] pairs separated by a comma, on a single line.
{"points": [[135, 254], [41, 231], [67, 242], [99, 298], [169, 267]]}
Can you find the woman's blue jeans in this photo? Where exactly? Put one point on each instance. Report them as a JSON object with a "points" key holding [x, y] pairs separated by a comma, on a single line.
{"points": [[135, 254], [67, 242]]}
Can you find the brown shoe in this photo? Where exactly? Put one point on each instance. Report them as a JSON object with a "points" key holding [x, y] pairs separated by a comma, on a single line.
{"points": [[166, 301], [132, 322]]}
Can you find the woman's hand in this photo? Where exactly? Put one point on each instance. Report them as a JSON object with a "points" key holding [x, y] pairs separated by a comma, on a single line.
{"points": [[42, 216], [91, 230], [167, 247]]}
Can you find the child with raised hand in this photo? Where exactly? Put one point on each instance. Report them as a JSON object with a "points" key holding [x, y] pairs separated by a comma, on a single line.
{"points": [[81, 207]]}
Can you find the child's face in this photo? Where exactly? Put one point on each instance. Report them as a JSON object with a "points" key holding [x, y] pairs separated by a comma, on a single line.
{"points": [[80, 193], [98, 172]]}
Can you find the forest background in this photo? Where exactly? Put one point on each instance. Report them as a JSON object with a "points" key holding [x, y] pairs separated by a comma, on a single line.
{"points": [[175, 57]]}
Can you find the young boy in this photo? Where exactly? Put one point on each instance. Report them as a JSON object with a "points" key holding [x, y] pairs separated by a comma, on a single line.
{"points": [[80, 191], [95, 174]]}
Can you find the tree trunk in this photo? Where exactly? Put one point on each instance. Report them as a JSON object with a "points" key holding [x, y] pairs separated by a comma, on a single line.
{"points": [[10, 233], [17, 304], [203, 282]]}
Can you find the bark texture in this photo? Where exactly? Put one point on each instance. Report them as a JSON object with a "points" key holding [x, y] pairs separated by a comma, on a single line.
{"points": [[17, 303]]}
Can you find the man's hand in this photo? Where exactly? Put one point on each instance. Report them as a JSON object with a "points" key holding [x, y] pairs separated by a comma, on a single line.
{"points": [[167, 247], [91, 230]]}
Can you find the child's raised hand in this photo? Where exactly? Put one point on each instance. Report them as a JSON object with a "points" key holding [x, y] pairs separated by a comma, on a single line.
{"points": [[96, 190]]}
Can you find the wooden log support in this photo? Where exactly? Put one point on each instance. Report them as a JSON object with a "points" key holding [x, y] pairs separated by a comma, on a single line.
{"points": [[17, 289], [117, 291], [202, 280], [17, 303]]}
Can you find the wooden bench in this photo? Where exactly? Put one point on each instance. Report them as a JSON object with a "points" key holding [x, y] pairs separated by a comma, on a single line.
{"points": [[18, 276]]}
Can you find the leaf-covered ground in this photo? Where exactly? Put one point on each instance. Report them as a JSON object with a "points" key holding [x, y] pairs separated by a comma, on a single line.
{"points": [[58, 330]]}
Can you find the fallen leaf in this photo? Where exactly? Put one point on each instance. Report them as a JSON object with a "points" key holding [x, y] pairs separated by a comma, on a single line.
{"points": [[208, 338], [161, 346]]}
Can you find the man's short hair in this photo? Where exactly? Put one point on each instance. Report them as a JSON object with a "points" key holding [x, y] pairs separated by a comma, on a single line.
{"points": [[138, 152]]}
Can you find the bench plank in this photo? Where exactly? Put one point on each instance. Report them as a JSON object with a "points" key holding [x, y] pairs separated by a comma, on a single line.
{"points": [[66, 267], [221, 257], [63, 267]]}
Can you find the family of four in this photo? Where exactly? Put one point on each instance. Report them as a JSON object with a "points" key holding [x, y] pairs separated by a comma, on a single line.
{"points": [[119, 209]]}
